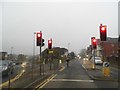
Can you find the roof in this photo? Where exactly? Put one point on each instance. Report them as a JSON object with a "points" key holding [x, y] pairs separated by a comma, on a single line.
{"points": [[113, 40], [109, 39]]}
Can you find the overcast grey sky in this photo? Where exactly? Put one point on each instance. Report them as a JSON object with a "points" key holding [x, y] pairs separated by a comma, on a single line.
{"points": [[64, 22]]}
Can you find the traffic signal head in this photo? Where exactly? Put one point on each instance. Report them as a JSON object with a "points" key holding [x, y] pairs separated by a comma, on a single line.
{"points": [[43, 42], [50, 44], [94, 42], [38, 38], [103, 32]]}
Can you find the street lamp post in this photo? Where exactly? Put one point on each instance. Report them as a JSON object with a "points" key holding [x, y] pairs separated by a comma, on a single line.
{"points": [[68, 47], [33, 53], [11, 53], [43, 61]]}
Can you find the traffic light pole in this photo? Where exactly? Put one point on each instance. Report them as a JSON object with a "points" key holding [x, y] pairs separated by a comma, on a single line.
{"points": [[33, 54], [40, 59], [103, 52], [94, 60], [50, 62], [40, 43]]}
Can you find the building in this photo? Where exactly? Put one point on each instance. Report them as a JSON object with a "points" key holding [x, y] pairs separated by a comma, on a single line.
{"points": [[111, 47], [108, 49], [89, 51], [3, 55]]}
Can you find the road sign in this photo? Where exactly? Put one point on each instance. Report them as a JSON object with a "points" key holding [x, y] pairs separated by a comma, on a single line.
{"points": [[106, 69], [50, 52]]}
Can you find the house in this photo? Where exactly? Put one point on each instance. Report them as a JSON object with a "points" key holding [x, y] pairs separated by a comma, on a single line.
{"points": [[108, 49]]}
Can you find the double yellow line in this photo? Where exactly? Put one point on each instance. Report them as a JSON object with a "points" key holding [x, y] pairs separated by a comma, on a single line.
{"points": [[62, 68], [41, 85]]}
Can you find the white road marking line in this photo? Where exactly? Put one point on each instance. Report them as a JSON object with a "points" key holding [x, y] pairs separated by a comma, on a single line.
{"points": [[72, 80], [83, 66]]}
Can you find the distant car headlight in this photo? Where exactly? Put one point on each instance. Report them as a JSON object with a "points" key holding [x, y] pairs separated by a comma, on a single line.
{"points": [[5, 68], [24, 64]]}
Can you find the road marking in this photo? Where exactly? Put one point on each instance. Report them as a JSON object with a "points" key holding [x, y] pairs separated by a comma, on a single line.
{"points": [[48, 80], [71, 80], [83, 66], [12, 80], [62, 68], [44, 81], [41, 85], [33, 83]]}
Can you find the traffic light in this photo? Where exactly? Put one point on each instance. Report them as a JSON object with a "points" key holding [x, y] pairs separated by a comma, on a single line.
{"points": [[50, 44], [94, 42], [103, 32], [38, 38], [43, 42]]}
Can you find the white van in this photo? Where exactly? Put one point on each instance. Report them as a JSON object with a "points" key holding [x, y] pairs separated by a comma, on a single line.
{"points": [[98, 60]]}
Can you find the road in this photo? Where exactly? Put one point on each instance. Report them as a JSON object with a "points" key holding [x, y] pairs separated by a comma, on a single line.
{"points": [[74, 76]]}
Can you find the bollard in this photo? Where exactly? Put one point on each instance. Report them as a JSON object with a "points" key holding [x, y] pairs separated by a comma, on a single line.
{"points": [[106, 69]]}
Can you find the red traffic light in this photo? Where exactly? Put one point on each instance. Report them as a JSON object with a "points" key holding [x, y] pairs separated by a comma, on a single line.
{"points": [[39, 34], [94, 42], [103, 32], [38, 38], [50, 44], [49, 41], [103, 28]]}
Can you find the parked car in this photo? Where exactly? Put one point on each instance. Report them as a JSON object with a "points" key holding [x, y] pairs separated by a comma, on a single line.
{"points": [[6, 67], [98, 60]]}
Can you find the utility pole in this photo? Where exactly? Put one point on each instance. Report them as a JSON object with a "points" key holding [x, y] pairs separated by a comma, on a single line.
{"points": [[11, 53]]}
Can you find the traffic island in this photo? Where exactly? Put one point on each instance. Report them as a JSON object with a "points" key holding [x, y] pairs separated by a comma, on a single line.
{"points": [[103, 78], [97, 74], [100, 74]]}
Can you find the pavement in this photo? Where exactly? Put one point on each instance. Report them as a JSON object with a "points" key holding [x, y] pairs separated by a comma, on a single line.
{"points": [[97, 73]]}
